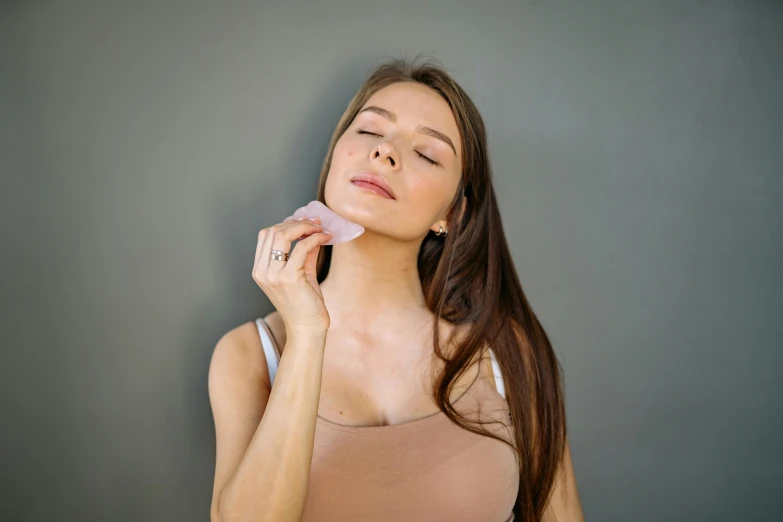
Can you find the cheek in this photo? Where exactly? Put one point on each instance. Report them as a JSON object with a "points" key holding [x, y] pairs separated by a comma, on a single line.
{"points": [[345, 149], [429, 195]]}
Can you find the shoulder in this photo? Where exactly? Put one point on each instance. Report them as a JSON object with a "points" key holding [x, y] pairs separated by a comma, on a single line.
{"points": [[458, 333], [239, 391], [238, 356]]}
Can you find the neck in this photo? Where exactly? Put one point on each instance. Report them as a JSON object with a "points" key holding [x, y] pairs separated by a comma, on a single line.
{"points": [[373, 284]]}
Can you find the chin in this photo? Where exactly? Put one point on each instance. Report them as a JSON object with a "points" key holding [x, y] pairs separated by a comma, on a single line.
{"points": [[354, 205], [356, 211]]}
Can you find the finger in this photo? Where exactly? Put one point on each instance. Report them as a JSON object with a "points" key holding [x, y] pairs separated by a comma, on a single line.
{"points": [[303, 248], [314, 221], [259, 247], [263, 256], [282, 239], [311, 261], [302, 218], [263, 248]]}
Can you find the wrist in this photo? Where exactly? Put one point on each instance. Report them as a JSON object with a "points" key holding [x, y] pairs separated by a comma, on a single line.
{"points": [[305, 335]]}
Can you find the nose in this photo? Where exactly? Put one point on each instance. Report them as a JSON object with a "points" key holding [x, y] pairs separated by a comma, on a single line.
{"points": [[384, 151]]}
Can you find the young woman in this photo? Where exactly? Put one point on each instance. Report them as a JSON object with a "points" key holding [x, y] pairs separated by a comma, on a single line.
{"points": [[414, 380]]}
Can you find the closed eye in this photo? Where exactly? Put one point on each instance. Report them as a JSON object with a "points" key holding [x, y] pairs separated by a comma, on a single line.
{"points": [[422, 156], [425, 158]]}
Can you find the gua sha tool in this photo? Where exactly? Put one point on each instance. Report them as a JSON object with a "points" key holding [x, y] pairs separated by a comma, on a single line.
{"points": [[341, 229]]}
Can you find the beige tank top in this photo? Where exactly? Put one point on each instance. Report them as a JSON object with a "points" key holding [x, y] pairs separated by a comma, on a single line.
{"points": [[428, 469]]}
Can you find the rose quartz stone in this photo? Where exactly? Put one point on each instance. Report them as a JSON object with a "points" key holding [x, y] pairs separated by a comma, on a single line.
{"points": [[341, 229]]}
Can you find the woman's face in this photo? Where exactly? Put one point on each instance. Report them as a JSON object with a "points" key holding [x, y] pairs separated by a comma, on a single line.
{"points": [[396, 135]]}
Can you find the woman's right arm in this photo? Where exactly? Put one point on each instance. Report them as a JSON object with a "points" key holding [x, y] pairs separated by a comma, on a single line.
{"points": [[264, 434], [263, 467]]}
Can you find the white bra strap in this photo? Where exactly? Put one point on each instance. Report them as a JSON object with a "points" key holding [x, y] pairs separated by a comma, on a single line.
{"points": [[498, 376], [270, 348]]}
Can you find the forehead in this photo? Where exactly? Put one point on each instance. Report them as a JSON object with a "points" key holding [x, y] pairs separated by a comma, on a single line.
{"points": [[416, 104]]}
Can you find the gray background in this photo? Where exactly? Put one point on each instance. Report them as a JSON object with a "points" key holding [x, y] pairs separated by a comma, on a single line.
{"points": [[637, 151]]}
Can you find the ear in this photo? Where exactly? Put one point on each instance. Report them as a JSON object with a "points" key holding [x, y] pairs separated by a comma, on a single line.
{"points": [[443, 223]]}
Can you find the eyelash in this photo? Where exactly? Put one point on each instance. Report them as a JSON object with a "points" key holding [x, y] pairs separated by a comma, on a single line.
{"points": [[422, 156]]}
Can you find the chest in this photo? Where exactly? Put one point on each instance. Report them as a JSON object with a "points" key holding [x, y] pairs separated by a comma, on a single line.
{"points": [[354, 393]]}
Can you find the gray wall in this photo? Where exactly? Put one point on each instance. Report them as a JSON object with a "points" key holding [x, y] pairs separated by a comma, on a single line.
{"points": [[637, 151]]}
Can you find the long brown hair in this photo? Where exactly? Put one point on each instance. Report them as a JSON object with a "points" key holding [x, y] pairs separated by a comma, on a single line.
{"points": [[469, 278]]}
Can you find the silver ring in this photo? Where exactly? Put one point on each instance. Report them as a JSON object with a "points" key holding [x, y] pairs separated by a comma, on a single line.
{"points": [[278, 255]]}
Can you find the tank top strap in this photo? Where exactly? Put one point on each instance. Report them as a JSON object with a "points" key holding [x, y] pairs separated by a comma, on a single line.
{"points": [[269, 345], [497, 374]]}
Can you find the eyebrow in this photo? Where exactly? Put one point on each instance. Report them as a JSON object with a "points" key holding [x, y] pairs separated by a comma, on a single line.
{"points": [[428, 131]]}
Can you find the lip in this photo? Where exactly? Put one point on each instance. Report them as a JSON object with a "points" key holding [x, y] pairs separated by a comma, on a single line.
{"points": [[369, 176]]}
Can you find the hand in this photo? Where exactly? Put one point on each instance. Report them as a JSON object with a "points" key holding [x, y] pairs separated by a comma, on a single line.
{"points": [[292, 285]]}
